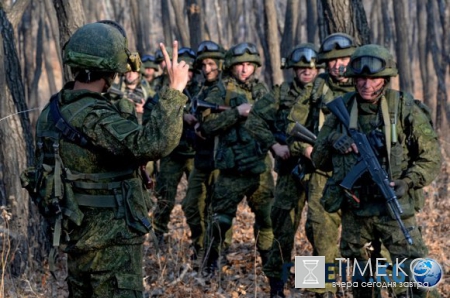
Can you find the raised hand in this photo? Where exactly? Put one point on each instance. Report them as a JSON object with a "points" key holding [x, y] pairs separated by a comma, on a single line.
{"points": [[178, 72]]}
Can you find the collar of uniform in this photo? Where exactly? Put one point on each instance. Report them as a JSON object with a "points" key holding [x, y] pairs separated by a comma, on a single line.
{"points": [[368, 107]]}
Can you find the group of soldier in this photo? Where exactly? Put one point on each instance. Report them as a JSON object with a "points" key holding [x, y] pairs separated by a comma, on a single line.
{"points": [[231, 124]]}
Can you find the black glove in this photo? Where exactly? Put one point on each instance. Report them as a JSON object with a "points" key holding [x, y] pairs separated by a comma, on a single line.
{"points": [[341, 142], [400, 188]]}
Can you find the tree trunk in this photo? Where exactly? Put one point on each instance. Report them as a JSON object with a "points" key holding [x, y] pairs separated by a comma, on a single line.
{"points": [[311, 21], [166, 23], [16, 152], [178, 8], [195, 18], [387, 21], [346, 16], [273, 43], [289, 31], [423, 51], [70, 17]]}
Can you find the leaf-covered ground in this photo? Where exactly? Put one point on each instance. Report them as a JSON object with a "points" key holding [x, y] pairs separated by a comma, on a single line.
{"points": [[169, 273]]}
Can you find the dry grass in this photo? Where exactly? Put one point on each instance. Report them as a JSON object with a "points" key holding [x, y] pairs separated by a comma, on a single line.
{"points": [[169, 273]]}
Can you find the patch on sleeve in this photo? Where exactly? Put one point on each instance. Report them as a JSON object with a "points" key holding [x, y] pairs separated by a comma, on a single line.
{"points": [[122, 128]]}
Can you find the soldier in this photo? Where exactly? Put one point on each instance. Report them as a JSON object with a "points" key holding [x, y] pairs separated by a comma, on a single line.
{"points": [[95, 152], [408, 150], [270, 121], [180, 161], [245, 167], [149, 70], [322, 228], [209, 59]]}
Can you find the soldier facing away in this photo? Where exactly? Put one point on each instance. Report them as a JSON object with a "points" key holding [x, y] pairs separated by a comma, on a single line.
{"points": [[96, 197], [407, 149]]}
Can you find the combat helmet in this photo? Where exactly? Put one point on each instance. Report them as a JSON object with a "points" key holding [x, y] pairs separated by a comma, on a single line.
{"points": [[159, 57], [187, 55], [149, 61], [337, 45], [100, 47], [242, 52], [372, 61], [303, 55]]}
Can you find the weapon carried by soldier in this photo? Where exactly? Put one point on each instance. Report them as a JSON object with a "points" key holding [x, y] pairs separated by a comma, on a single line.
{"points": [[201, 105], [368, 162], [136, 96], [304, 166]]}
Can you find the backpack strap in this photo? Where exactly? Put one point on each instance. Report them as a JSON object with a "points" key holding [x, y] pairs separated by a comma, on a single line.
{"points": [[66, 129]]}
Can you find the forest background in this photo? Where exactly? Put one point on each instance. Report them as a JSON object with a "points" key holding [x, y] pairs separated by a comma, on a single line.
{"points": [[32, 35]]}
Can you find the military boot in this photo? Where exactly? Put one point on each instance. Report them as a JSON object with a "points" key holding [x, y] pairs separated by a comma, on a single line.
{"points": [[276, 287]]}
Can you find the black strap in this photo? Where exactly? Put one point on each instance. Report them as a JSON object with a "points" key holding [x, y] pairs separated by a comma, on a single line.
{"points": [[67, 130]]}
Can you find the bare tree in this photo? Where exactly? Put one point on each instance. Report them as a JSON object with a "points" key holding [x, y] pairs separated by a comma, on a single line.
{"points": [[167, 27], [347, 16], [423, 52], [70, 18], [195, 18], [311, 21], [289, 32], [402, 47], [178, 8], [273, 43]]}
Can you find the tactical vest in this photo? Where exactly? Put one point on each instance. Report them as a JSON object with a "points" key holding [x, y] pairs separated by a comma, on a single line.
{"points": [[237, 150], [60, 192], [402, 149], [292, 103]]}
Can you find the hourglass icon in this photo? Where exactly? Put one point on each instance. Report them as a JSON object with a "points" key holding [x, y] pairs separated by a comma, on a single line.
{"points": [[310, 278]]}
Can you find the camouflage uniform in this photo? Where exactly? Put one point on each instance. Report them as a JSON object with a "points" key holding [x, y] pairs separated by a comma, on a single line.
{"points": [[105, 204], [245, 167], [413, 163], [172, 167]]}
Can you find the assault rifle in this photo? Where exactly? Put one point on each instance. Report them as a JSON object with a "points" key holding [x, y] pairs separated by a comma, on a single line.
{"points": [[368, 162], [137, 96], [304, 165]]}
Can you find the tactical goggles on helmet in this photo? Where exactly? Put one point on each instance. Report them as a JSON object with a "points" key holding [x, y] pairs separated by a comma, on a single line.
{"points": [[337, 42], [243, 48], [208, 46], [369, 64], [305, 54], [146, 58], [182, 51]]}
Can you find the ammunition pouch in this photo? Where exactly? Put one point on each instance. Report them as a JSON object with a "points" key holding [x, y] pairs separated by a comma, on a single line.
{"points": [[333, 196]]}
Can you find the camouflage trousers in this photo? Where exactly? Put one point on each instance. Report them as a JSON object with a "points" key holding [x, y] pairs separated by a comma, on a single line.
{"points": [[229, 191], [357, 232], [290, 198], [171, 169], [114, 271], [322, 228]]}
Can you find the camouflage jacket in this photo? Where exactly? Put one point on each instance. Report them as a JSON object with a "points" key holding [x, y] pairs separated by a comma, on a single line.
{"points": [[274, 115], [415, 157], [237, 150], [108, 167]]}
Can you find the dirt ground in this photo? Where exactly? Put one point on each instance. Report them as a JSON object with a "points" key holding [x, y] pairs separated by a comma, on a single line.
{"points": [[168, 273]]}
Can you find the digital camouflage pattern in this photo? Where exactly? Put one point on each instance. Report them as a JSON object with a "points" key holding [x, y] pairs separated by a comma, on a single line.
{"points": [[270, 121], [172, 167], [245, 169], [108, 232], [415, 157]]}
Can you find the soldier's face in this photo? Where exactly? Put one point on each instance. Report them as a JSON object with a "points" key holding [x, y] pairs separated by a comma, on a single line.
{"points": [[149, 73], [305, 74], [210, 69], [243, 71], [131, 76], [336, 68], [369, 88]]}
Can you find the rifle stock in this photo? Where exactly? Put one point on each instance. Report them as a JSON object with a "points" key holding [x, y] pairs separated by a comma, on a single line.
{"points": [[368, 162], [133, 96]]}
